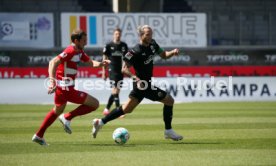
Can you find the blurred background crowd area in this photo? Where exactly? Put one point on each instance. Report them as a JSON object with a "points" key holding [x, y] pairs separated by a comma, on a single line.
{"points": [[229, 22], [240, 35]]}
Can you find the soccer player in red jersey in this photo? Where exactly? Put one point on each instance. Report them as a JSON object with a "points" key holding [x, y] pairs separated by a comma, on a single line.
{"points": [[62, 73]]}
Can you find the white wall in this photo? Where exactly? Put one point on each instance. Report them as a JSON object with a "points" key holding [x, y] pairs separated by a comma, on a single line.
{"points": [[33, 91]]}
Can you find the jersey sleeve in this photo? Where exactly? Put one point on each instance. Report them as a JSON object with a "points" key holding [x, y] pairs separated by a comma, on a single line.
{"points": [[129, 57], [126, 50], [106, 50], [84, 57], [66, 55], [157, 47]]}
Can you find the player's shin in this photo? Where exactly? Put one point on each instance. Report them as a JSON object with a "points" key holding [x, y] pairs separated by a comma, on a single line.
{"points": [[48, 120], [117, 100], [115, 113], [167, 116], [110, 101]]}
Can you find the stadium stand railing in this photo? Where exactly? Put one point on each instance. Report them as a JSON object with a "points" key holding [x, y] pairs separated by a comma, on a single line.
{"points": [[243, 22]]}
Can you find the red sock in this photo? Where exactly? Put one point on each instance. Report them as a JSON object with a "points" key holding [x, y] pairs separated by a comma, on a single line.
{"points": [[48, 120], [81, 110]]}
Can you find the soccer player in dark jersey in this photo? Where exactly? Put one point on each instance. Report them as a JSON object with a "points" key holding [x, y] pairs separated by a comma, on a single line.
{"points": [[114, 52], [141, 58], [62, 73]]}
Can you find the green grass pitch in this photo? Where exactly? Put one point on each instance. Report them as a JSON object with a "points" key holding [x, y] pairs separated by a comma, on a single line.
{"points": [[234, 133]]}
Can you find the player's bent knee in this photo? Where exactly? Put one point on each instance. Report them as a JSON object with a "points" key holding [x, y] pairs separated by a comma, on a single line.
{"points": [[58, 112], [92, 102], [169, 100], [95, 104], [127, 111], [59, 109]]}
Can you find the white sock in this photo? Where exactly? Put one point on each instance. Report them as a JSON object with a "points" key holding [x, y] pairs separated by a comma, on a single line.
{"points": [[169, 130], [101, 122]]}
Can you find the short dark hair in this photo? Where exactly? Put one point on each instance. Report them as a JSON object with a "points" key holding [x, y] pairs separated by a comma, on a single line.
{"points": [[77, 34], [117, 29]]}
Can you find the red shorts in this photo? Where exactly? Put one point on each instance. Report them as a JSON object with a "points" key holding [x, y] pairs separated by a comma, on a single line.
{"points": [[71, 95]]}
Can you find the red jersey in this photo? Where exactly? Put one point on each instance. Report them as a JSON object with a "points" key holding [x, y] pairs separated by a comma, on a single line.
{"points": [[67, 69]]}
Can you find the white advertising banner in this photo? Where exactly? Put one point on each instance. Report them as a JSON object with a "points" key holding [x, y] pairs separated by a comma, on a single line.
{"points": [[26, 30], [33, 91], [15, 30], [213, 89], [170, 30]]}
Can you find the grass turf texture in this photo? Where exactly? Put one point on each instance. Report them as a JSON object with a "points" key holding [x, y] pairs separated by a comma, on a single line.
{"points": [[240, 133]]}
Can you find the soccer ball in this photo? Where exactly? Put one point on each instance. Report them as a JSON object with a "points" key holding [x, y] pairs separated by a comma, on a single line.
{"points": [[120, 135]]}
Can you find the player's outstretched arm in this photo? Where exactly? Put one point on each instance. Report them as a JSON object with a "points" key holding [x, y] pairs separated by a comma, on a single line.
{"points": [[104, 68], [126, 70], [168, 54], [93, 63]]}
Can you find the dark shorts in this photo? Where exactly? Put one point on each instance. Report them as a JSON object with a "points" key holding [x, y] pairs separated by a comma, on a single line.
{"points": [[152, 92], [116, 83], [115, 76], [116, 79]]}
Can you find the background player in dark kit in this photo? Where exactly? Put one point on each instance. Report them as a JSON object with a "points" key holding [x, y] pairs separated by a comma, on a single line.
{"points": [[114, 51]]}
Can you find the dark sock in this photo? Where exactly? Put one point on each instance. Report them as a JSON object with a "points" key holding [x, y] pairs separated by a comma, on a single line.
{"points": [[167, 116], [115, 113], [110, 101], [117, 100]]}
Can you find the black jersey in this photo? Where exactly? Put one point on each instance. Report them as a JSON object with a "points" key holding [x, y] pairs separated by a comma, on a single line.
{"points": [[141, 58], [115, 52]]}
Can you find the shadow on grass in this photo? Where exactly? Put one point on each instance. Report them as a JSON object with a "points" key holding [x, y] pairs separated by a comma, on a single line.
{"points": [[134, 144], [149, 145], [198, 143]]}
